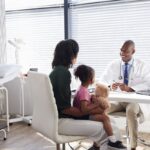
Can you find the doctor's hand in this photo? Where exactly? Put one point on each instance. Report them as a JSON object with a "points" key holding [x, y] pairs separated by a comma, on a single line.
{"points": [[114, 86], [126, 88]]}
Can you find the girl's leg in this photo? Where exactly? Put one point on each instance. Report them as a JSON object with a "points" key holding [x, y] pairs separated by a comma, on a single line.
{"points": [[106, 122], [107, 125], [113, 140]]}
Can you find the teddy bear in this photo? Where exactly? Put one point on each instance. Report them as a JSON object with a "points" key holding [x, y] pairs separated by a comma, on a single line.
{"points": [[101, 96]]}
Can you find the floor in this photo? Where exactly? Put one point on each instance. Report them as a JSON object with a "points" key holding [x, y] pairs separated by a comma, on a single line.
{"points": [[23, 137]]}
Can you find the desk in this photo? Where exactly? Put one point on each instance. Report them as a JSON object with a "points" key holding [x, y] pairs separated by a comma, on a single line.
{"points": [[129, 97], [142, 100]]}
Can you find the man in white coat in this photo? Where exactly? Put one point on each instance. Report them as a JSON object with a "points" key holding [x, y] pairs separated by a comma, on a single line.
{"points": [[128, 74]]}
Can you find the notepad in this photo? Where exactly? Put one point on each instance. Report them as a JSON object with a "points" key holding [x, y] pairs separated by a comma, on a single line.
{"points": [[143, 92]]}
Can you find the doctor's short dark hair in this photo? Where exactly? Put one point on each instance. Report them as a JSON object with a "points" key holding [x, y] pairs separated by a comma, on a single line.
{"points": [[126, 44], [84, 73], [65, 52]]}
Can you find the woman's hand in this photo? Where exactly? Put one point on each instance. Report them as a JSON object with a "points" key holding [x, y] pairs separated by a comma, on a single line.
{"points": [[73, 111]]}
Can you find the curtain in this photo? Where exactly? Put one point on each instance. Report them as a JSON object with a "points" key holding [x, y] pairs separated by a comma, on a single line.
{"points": [[2, 33]]}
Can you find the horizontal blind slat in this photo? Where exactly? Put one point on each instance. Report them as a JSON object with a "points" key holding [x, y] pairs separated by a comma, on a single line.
{"points": [[40, 32]]}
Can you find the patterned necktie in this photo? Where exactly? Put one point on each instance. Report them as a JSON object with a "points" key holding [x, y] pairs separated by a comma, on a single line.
{"points": [[126, 74]]}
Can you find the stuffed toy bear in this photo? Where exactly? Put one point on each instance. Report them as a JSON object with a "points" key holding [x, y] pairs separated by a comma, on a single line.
{"points": [[101, 96]]}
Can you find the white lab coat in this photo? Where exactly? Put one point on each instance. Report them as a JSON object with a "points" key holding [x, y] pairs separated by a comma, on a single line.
{"points": [[139, 79]]}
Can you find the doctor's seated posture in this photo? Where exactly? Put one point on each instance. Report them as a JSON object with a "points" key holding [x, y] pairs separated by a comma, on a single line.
{"points": [[65, 56], [128, 74]]}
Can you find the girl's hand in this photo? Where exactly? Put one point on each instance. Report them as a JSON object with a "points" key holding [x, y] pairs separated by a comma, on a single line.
{"points": [[104, 103], [93, 98]]}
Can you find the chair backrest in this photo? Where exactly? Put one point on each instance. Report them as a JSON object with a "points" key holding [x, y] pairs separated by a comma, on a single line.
{"points": [[45, 115]]}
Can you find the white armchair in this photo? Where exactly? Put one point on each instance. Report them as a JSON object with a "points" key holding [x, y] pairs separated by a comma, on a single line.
{"points": [[45, 115]]}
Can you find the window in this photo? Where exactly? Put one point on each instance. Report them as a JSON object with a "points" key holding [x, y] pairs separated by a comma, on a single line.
{"points": [[36, 32], [102, 27], [30, 4]]}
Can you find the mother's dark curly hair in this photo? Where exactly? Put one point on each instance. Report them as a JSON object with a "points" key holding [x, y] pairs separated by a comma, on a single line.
{"points": [[65, 52]]}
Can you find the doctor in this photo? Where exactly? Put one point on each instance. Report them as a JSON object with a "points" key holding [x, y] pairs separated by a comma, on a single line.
{"points": [[128, 74]]}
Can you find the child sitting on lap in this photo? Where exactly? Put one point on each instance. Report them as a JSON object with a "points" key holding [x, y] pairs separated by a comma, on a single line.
{"points": [[94, 106]]}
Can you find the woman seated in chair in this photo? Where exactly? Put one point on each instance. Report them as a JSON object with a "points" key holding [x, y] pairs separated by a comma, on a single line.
{"points": [[65, 56]]}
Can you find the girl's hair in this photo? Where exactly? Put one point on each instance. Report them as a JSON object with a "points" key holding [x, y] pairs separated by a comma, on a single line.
{"points": [[84, 73], [65, 51]]}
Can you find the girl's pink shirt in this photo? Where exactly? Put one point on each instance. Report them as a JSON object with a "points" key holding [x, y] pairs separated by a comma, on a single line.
{"points": [[81, 95]]}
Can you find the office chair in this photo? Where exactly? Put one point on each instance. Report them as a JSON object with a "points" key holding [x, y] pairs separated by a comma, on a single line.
{"points": [[45, 114], [123, 114], [120, 115]]}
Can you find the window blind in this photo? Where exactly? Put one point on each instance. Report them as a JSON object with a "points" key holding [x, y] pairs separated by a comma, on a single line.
{"points": [[30, 4], [102, 28], [39, 30]]}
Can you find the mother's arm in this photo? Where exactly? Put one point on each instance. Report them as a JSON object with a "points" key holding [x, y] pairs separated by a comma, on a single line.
{"points": [[73, 111]]}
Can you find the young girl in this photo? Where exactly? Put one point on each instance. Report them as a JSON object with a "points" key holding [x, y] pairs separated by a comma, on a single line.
{"points": [[83, 101]]}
